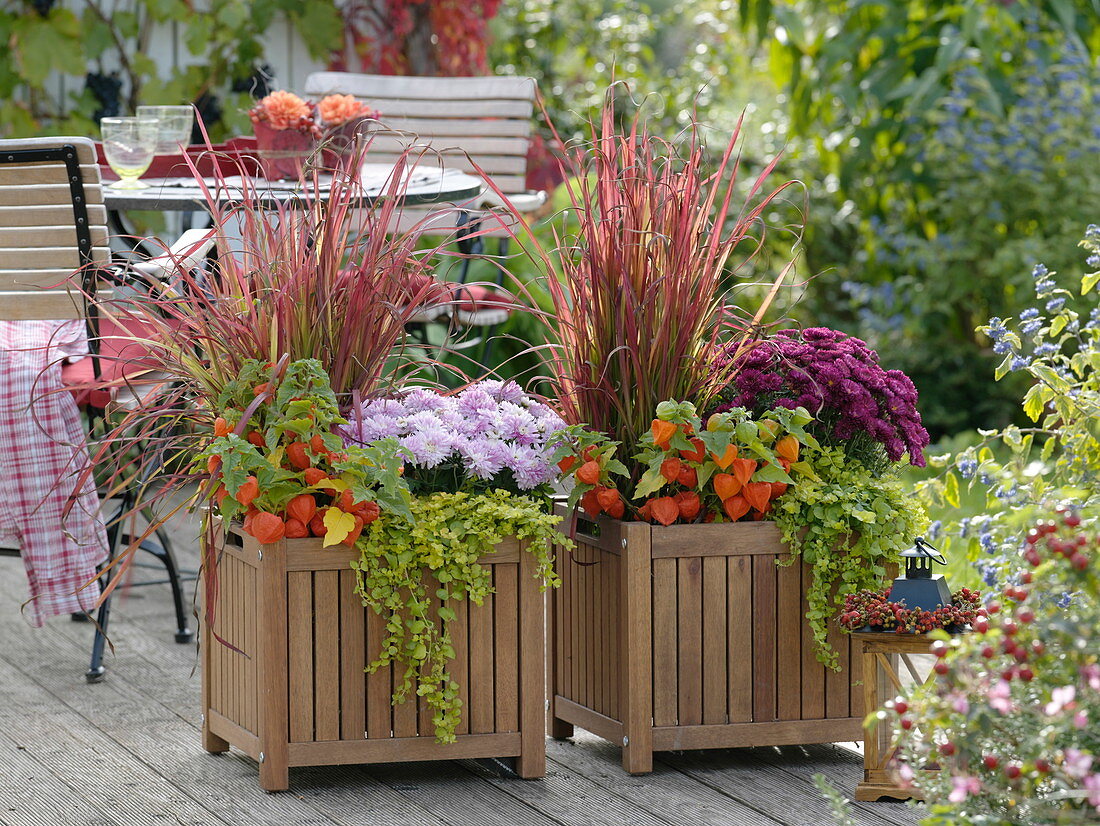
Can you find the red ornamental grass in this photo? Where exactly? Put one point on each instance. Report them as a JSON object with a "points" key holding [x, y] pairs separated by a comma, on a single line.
{"points": [[640, 307]]}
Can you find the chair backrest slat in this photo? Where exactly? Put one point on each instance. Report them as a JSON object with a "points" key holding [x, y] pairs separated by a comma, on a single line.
{"points": [[40, 256], [470, 120]]}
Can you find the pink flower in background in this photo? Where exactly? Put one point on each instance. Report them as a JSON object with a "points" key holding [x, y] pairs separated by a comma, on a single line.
{"points": [[1000, 697], [962, 787], [1092, 786], [1060, 698], [1076, 763]]}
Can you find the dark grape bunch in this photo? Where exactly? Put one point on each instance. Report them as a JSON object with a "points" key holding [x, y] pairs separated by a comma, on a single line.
{"points": [[42, 7], [873, 609], [107, 90], [257, 84]]}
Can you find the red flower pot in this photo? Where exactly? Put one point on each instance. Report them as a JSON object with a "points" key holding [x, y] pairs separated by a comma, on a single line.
{"points": [[283, 152]]}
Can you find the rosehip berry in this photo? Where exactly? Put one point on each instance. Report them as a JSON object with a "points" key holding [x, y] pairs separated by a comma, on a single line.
{"points": [[1047, 527], [1026, 616], [1032, 536], [901, 706], [1012, 771], [1033, 558], [1020, 654], [939, 648], [941, 667], [991, 761], [1026, 577], [1010, 628], [906, 723], [1026, 674], [988, 652], [1038, 646], [981, 625], [1072, 520], [1079, 561], [993, 608], [947, 749], [1042, 766]]}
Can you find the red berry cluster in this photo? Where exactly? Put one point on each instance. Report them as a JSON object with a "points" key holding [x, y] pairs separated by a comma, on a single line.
{"points": [[1076, 549], [305, 124], [873, 609]]}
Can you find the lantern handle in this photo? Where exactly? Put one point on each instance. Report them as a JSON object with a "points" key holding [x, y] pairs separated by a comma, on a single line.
{"points": [[925, 548]]}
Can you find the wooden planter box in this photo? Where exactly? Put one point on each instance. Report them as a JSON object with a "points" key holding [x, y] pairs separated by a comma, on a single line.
{"points": [[691, 637], [296, 694]]}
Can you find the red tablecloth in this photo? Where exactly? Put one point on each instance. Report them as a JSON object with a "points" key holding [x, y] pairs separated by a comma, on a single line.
{"points": [[42, 452]]}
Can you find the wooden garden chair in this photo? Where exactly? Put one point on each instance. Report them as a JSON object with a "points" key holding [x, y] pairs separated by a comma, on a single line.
{"points": [[470, 123], [53, 254]]}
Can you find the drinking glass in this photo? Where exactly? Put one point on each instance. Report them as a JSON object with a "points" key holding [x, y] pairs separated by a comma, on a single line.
{"points": [[175, 126], [129, 145]]}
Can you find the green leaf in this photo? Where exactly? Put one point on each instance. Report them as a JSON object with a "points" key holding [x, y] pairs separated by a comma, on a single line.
{"points": [[651, 482], [1036, 399], [1089, 281], [951, 489]]}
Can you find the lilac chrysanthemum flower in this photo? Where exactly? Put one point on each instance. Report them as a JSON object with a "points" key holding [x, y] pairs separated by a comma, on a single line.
{"points": [[838, 379], [421, 399], [428, 447]]}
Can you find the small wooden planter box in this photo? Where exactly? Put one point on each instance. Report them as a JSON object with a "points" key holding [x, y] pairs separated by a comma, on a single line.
{"points": [[296, 694], [691, 637]]}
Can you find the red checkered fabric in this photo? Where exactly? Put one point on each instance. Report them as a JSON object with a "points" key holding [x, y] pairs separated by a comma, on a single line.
{"points": [[42, 451]]}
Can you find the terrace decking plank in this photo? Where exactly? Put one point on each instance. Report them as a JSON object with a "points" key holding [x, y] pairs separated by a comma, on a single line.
{"points": [[665, 793], [748, 776]]}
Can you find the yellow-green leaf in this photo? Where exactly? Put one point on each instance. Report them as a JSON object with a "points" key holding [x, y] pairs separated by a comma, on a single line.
{"points": [[1089, 281], [951, 490], [337, 526]]}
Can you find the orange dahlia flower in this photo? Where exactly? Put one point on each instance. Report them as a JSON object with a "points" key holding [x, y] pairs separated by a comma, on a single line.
{"points": [[284, 110], [339, 109]]}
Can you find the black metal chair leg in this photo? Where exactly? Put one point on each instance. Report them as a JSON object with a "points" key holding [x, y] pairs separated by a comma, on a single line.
{"points": [[163, 552]]}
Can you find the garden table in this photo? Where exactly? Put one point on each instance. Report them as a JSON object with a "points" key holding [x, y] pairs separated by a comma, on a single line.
{"points": [[426, 185]]}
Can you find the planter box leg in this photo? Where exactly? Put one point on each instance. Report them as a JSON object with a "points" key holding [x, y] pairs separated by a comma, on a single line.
{"points": [[559, 729], [274, 775], [636, 582], [532, 661], [212, 742]]}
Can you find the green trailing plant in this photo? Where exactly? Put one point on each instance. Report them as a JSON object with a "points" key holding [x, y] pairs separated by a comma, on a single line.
{"points": [[413, 569], [847, 523]]}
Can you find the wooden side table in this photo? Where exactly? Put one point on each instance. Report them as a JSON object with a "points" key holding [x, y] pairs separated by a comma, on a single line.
{"points": [[882, 654]]}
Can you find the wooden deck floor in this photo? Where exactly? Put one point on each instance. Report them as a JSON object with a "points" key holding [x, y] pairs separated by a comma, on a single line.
{"points": [[126, 751]]}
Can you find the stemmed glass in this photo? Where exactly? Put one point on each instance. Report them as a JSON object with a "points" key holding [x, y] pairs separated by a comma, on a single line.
{"points": [[129, 145], [175, 126]]}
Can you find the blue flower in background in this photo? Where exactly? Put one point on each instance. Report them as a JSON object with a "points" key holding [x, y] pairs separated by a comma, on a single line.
{"points": [[1055, 304]]}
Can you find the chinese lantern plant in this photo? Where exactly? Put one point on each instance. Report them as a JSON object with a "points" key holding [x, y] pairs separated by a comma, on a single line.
{"points": [[1007, 732], [275, 463], [731, 469]]}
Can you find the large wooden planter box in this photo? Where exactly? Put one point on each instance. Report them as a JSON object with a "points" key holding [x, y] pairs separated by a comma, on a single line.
{"points": [[691, 637], [295, 693]]}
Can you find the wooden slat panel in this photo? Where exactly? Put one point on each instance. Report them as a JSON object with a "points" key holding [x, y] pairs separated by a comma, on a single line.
{"points": [[506, 637], [488, 87], [813, 672], [251, 692], [44, 173], [405, 715], [39, 258], [49, 215], [28, 306], [714, 641], [394, 141], [689, 619], [764, 638], [599, 636], [665, 683], [837, 683], [47, 236], [300, 655], [46, 195], [272, 674], [740, 641], [615, 659], [481, 667], [403, 750], [85, 147], [572, 622], [459, 667], [856, 703], [379, 711], [789, 622], [229, 634], [716, 540], [581, 605], [326, 654], [487, 128], [353, 700]]}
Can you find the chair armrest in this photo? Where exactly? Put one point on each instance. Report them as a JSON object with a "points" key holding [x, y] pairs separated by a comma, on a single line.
{"points": [[185, 254], [522, 202]]}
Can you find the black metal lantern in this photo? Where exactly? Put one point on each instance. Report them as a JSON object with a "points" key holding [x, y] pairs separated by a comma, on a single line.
{"points": [[919, 588]]}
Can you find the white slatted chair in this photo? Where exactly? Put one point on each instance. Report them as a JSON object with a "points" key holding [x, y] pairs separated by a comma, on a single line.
{"points": [[466, 120], [53, 252]]}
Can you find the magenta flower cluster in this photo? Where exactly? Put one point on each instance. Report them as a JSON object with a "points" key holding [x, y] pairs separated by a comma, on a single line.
{"points": [[837, 378], [490, 434]]}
